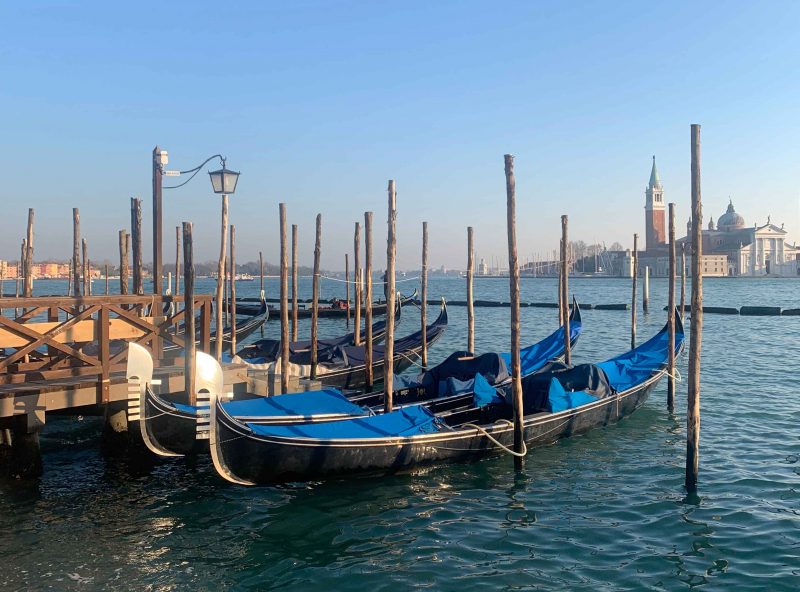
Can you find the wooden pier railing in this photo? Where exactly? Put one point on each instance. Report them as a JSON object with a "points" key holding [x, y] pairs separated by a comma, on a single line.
{"points": [[57, 337]]}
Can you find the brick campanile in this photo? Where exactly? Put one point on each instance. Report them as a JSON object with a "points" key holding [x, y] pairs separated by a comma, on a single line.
{"points": [[655, 234]]}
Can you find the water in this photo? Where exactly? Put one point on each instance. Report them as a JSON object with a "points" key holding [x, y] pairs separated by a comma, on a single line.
{"points": [[599, 512]]}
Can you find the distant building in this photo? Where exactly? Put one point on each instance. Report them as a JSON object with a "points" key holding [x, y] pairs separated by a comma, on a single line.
{"points": [[655, 235], [748, 251], [483, 269]]}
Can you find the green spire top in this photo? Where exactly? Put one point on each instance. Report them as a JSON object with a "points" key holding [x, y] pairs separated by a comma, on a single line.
{"points": [[655, 180]]}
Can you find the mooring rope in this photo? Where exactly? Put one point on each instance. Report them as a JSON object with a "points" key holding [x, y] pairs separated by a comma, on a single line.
{"points": [[402, 355], [498, 443], [374, 283], [676, 374]]}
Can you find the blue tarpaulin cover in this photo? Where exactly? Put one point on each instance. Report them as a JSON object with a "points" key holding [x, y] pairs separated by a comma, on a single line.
{"points": [[484, 393], [408, 421], [535, 356], [306, 404]]}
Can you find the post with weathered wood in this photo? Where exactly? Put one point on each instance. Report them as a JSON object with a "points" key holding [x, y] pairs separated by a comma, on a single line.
{"points": [[671, 313], [368, 299], [470, 308], [560, 272], [696, 331], [391, 250], [261, 273], [294, 282], [513, 275], [136, 237], [315, 298], [28, 292], [86, 279], [227, 293], [634, 274], [123, 263], [683, 279], [646, 289], [565, 291], [284, 302], [357, 277], [76, 252], [423, 311], [23, 252], [106, 274], [221, 277], [177, 260], [233, 290], [188, 310], [347, 288]]}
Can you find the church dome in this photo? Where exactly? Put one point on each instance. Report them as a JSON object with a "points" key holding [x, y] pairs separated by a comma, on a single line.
{"points": [[730, 220]]}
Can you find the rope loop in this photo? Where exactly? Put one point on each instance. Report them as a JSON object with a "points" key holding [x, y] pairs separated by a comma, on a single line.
{"points": [[496, 442]]}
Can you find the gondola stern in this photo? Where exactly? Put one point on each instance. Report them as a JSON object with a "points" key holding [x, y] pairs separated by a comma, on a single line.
{"points": [[215, 444]]}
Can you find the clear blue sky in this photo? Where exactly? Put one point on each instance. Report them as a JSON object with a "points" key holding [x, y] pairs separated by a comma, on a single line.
{"points": [[320, 103]]}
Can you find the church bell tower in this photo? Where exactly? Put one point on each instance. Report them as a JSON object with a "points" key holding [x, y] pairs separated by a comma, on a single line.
{"points": [[655, 235]]}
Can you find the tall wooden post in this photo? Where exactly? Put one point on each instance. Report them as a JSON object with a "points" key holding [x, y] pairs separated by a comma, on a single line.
{"points": [[424, 296], [388, 348], [221, 278], [106, 275], [347, 288], [368, 299], [86, 279], [261, 273], [294, 282], [158, 177], [315, 298], [565, 291], [227, 295], [633, 288], [76, 252], [123, 263], [646, 290], [177, 261], [470, 308], [671, 313], [513, 275], [233, 290], [683, 279], [29, 257], [284, 302], [23, 253], [696, 332], [136, 237], [357, 274], [560, 272], [188, 307]]}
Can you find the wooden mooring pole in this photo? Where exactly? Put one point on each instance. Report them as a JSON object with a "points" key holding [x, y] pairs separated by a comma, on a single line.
{"points": [[565, 291], [188, 308], [368, 299], [470, 307], [233, 290], [86, 279], [696, 331], [315, 298], [357, 277], [294, 282], [177, 261], [391, 250], [28, 291], [261, 273], [221, 278], [423, 311], [671, 313], [347, 289], [106, 274], [646, 290], [136, 237], [513, 279], [634, 278], [227, 292], [76, 252], [124, 240], [284, 291], [683, 279]]}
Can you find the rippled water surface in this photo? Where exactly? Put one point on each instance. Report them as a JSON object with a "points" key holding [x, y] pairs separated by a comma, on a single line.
{"points": [[599, 512]]}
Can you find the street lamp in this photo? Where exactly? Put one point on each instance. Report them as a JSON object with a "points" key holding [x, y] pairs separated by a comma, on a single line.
{"points": [[224, 180]]}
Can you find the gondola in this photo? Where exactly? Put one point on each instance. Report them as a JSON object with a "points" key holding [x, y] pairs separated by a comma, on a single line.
{"points": [[168, 428], [266, 351], [336, 308], [558, 403]]}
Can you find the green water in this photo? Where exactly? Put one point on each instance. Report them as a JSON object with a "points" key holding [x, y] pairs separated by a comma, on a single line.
{"points": [[606, 511]]}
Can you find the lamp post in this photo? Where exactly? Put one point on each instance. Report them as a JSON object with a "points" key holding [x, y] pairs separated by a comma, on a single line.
{"points": [[160, 160], [223, 182]]}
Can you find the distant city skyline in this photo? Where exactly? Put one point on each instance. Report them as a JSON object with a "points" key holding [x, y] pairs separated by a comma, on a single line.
{"points": [[319, 105]]}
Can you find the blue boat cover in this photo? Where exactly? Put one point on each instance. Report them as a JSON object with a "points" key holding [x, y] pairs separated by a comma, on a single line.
{"points": [[306, 404], [484, 393], [408, 421], [535, 356]]}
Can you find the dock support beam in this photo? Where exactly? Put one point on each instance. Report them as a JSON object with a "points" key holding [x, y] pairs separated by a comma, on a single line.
{"points": [[20, 454]]}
